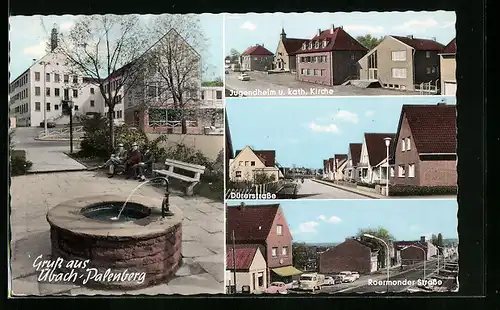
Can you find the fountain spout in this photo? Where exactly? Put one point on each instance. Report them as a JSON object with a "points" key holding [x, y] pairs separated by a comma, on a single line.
{"points": [[165, 205]]}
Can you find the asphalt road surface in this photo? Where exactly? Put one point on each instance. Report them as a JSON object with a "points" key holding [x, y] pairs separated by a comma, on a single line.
{"points": [[314, 190], [24, 138], [285, 84]]}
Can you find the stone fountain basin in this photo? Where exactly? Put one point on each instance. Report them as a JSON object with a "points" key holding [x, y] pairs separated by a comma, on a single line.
{"points": [[151, 244]]}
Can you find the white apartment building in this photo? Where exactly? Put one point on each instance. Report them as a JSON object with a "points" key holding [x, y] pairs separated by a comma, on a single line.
{"points": [[44, 85], [211, 97]]}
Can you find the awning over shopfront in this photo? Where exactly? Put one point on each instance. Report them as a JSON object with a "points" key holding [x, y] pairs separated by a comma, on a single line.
{"points": [[287, 271]]}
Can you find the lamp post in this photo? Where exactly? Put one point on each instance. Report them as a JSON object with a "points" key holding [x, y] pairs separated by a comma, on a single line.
{"points": [[387, 143], [68, 110], [44, 64], [414, 246], [386, 256], [444, 258]]}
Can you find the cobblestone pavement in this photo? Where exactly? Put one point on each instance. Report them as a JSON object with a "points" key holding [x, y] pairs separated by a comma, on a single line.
{"points": [[33, 195]]}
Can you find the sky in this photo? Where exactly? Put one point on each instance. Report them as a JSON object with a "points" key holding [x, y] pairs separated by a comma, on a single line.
{"points": [[303, 131], [28, 36], [245, 30], [331, 221]]}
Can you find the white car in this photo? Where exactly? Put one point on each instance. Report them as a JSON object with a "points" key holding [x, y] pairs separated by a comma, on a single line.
{"points": [[355, 274], [329, 281], [244, 77], [347, 276]]}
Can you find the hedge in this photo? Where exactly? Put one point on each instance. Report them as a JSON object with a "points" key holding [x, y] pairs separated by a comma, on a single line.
{"points": [[370, 185], [411, 190]]}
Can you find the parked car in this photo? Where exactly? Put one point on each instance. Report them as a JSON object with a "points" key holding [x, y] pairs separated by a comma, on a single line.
{"points": [[49, 124], [347, 276], [292, 285], [244, 77], [277, 288], [355, 274], [311, 281], [329, 281], [338, 279]]}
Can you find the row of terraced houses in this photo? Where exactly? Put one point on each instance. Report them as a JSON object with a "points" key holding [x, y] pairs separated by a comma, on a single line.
{"points": [[422, 152], [49, 81], [333, 57]]}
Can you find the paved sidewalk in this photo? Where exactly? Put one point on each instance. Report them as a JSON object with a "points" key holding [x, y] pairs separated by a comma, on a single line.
{"points": [[33, 195], [52, 160]]}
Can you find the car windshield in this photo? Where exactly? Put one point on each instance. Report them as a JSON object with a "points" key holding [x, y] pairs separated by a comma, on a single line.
{"points": [[275, 284], [345, 272], [306, 278]]}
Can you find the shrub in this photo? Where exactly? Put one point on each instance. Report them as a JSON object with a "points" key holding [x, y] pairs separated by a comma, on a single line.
{"points": [[95, 140], [18, 163], [410, 190], [369, 185]]}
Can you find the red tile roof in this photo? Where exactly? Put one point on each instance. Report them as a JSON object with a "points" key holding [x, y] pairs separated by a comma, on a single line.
{"points": [[450, 48], [375, 145], [338, 40], [257, 50], [355, 150], [268, 157], [433, 127], [243, 255], [420, 44], [292, 45], [250, 223]]}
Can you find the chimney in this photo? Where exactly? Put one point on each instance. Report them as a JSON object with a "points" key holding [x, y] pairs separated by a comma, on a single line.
{"points": [[53, 38], [410, 36], [319, 32], [331, 28], [422, 239]]}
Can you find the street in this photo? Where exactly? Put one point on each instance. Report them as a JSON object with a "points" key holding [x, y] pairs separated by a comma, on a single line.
{"points": [[314, 190], [284, 84]]}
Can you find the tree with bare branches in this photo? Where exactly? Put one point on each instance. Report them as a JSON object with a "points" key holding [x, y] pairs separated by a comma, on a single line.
{"points": [[107, 49]]}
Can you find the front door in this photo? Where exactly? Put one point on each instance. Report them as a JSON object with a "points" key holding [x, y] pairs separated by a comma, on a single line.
{"points": [[373, 74]]}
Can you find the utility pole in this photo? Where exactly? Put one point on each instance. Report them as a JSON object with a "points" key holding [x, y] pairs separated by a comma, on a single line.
{"points": [[234, 264], [44, 90]]}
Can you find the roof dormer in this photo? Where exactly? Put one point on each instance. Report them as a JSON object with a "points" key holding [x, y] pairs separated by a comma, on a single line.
{"points": [[316, 44], [324, 43], [304, 46], [310, 45]]}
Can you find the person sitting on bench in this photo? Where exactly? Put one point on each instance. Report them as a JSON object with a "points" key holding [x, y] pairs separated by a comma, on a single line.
{"points": [[117, 159], [146, 163], [133, 159]]}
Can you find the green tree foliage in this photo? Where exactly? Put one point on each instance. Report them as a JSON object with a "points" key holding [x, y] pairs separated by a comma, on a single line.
{"points": [[263, 178], [369, 41], [215, 83], [299, 254], [381, 233]]}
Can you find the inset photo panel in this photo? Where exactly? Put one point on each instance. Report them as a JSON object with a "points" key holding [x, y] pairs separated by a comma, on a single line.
{"points": [[342, 247], [341, 148], [340, 54]]}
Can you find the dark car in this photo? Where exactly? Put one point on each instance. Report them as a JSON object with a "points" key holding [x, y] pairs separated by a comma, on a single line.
{"points": [[287, 191], [49, 124]]}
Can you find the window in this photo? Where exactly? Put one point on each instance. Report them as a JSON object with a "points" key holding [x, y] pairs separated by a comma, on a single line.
{"points": [[398, 56], [316, 71], [92, 103], [392, 171], [47, 77], [252, 163], [352, 57], [433, 69], [66, 94], [401, 172], [303, 46], [218, 94], [261, 279], [119, 114], [303, 71], [92, 90], [279, 230], [75, 93], [408, 144], [247, 163], [66, 78], [399, 73], [322, 73], [427, 54], [240, 163], [274, 252], [37, 76], [308, 72], [310, 45], [403, 147], [48, 106], [37, 106], [56, 107], [76, 108], [428, 70], [316, 44], [37, 91], [238, 174], [75, 79], [411, 170], [325, 43], [47, 91], [57, 78], [56, 92], [284, 251]]}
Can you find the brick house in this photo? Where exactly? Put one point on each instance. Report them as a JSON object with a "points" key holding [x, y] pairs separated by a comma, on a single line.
{"points": [[415, 251], [256, 58], [350, 255], [372, 163], [249, 265], [266, 227], [425, 153], [284, 59], [402, 62], [329, 58], [352, 160], [448, 66], [339, 163]]}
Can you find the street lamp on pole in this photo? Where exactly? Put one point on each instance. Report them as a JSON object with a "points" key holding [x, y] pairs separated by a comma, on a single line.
{"points": [[44, 90], [387, 143], [414, 246], [444, 258], [386, 256]]}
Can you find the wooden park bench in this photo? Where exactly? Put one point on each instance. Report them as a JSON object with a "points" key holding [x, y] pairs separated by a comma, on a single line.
{"points": [[170, 164]]}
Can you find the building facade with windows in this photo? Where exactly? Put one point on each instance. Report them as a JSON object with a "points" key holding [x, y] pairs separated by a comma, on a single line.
{"points": [[329, 58], [448, 66], [44, 86], [249, 265], [256, 58], [248, 164], [402, 62], [425, 149]]}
